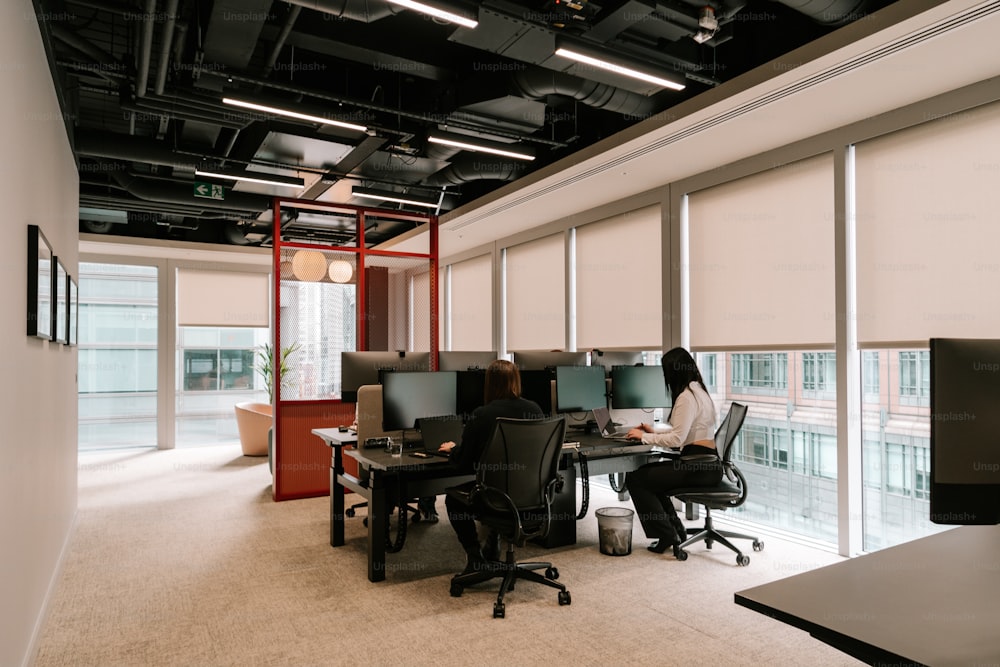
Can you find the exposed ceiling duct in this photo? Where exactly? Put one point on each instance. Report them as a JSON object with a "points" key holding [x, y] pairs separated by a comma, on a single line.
{"points": [[468, 167], [365, 11], [829, 12], [538, 83], [146, 79]]}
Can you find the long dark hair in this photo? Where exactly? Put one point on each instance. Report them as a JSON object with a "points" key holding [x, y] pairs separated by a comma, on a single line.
{"points": [[502, 381], [680, 370]]}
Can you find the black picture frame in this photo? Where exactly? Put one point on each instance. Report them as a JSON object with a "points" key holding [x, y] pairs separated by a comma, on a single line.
{"points": [[60, 312], [40, 281], [73, 310]]}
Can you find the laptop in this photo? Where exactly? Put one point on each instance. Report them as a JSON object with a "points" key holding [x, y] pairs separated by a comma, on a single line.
{"points": [[435, 430], [606, 427]]}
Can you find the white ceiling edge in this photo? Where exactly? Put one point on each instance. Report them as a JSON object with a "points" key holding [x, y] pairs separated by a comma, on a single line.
{"points": [[862, 70], [125, 246]]}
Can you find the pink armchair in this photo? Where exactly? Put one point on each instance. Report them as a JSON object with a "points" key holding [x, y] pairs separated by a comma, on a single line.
{"points": [[253, 421]]}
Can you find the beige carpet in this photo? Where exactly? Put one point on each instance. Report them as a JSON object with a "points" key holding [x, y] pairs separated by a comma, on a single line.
{"points": [[181, 558]]}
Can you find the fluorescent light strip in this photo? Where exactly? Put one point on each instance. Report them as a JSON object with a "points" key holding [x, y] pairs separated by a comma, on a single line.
{"points": [[293, 114], [434, 11], [482, 149], [250, 179], [618, 69], [390, 197]]}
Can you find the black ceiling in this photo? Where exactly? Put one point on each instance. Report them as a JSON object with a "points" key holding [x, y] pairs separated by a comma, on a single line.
{"points": [[142, 83]]}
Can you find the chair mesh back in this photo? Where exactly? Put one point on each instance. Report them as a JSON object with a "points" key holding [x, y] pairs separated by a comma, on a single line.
{"points": [[725, 436], [521, 459]]}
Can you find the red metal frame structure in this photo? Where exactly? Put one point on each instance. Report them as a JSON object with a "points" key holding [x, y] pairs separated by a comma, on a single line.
{"points": [[301, 460]]}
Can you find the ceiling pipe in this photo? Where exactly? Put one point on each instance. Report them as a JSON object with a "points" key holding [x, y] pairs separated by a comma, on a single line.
{"points": [[145, 47], [168, 36], [279, 43], [108, 67], [365, 11], [475, 167], [136, 149], [537, 83]]}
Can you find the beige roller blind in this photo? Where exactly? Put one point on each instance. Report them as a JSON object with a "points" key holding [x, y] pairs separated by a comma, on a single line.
{"points": [[619, 281], [472, 304], [222, 298], [928, 211], [421, 315], [761, 259], [536, 294]]}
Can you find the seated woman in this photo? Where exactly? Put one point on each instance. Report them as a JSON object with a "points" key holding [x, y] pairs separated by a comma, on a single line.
{"points": [[501, 398], [691, 429]]}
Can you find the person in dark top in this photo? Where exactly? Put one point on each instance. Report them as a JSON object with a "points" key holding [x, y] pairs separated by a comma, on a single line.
{"points": [[502, 398]]}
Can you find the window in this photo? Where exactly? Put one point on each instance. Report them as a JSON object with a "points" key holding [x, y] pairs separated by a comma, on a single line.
{"points": [[706, 362], [116, 364], [914, 377], [216, 371], [819, 374], [895, 455], [760, 372], [870, 374]]}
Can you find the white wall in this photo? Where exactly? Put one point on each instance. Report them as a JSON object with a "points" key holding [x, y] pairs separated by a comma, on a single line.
{"points": [[38, 185]]}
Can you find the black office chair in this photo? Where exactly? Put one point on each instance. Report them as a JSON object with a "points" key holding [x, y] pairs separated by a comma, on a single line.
{"points": [[516, 479], [731, 491]]}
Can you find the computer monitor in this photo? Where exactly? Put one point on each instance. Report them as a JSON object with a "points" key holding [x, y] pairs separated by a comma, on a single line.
{"points": [[409, 396], [580, 388], [638, 387], [611, 358], [538, 360], [458, 360], [537, 386], [471, 386], [358, 368], [965, 431]]}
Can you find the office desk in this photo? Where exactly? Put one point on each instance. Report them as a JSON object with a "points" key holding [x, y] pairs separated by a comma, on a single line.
{"points": [[390, 478], [932, 601], [413, 477]]}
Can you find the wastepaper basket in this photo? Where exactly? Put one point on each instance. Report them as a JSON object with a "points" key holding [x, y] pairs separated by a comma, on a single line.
{"points": [[614, 529]]}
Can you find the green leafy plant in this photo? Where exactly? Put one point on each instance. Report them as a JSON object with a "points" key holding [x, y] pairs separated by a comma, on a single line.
{"points": [[266, 365]]}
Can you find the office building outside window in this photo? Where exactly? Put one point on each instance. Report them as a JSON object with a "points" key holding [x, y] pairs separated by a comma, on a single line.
{"points": [[215, 371], [760, 373], [914, 377], [117, 366], [896, 450]]}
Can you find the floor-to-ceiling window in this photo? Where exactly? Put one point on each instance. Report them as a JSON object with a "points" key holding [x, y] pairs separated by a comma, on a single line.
{"points": [[117, 357], [216, 370]]}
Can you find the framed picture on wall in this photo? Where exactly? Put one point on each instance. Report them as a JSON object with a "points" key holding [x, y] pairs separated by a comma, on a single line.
{"points": [[72, 316], [40, 280], [60, 316]]}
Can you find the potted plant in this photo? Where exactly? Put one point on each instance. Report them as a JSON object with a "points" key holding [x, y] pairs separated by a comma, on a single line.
{"points": [[266, 365], [254, 420]]}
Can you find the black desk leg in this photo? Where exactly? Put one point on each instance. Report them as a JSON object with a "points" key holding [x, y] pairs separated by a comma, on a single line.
{"points": [[562, 530], [377, 521], [336, 499]]}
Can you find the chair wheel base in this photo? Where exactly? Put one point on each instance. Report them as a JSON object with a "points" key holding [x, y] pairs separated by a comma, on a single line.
{"points": [[758, 545], [680, 554], [456, 590], [564, 598], [499, 611], [742, 560], [551, 573]]}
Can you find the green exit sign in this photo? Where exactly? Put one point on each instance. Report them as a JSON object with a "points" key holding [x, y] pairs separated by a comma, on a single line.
{"points": [[209, 191]]}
